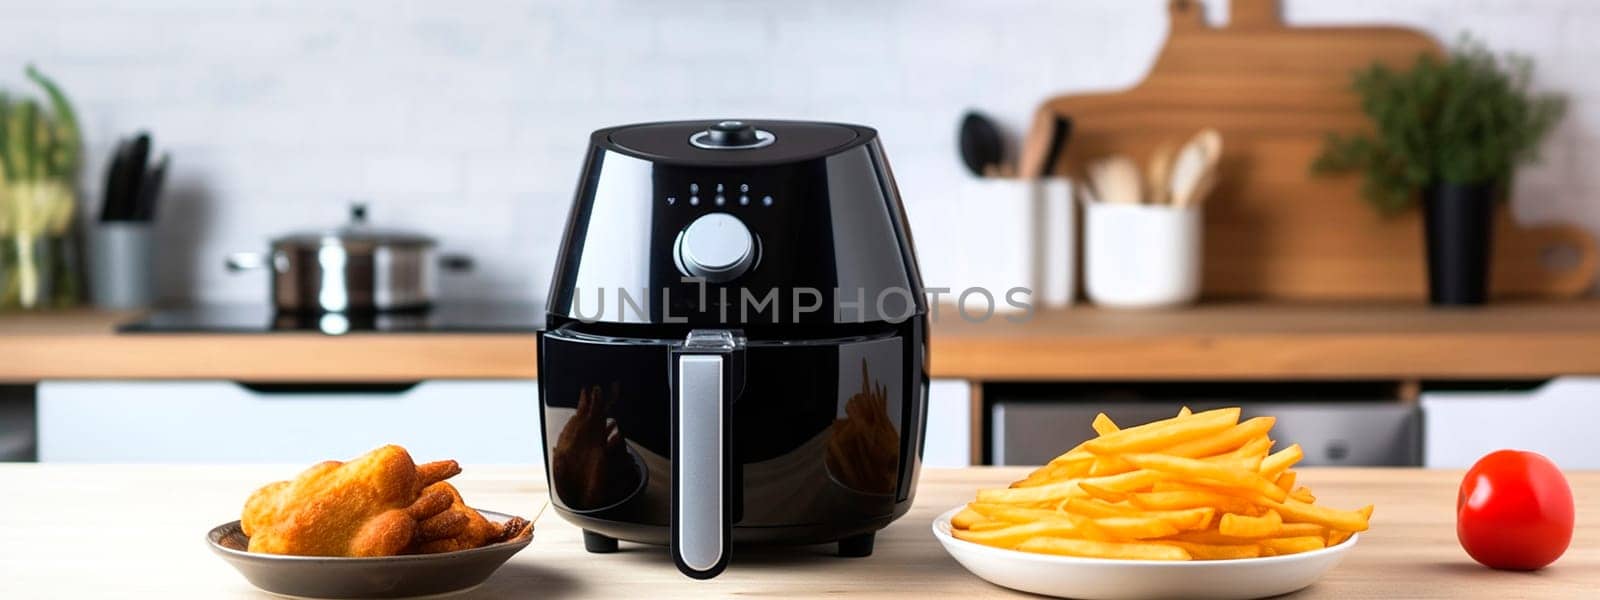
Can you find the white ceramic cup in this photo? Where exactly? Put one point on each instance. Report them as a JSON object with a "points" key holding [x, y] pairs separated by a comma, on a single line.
{"points": [[1021, 233], [1141, 256]]}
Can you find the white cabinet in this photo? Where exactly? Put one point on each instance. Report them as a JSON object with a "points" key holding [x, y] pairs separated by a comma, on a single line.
{"points": [[475, 422], [949, 424], [480, 422], [1557, 420]]}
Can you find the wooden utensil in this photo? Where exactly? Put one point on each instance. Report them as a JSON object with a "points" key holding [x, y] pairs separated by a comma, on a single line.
{"points": [[1194, 172], [1116, 179], [1281, 232], [1158, 174]]}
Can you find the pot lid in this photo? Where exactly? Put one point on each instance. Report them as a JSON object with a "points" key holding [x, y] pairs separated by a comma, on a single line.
{"points": [[732, 142], [356, 232]]}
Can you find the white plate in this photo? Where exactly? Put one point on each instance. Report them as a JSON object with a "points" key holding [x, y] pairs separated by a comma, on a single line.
{"points": [[1108, 579]]}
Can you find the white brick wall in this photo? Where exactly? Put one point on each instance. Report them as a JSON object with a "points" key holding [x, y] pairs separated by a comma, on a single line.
{"points": [[469, 119]]}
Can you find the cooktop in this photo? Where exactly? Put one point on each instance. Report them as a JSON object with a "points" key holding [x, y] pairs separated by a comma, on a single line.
{"points": [[253, 319]]}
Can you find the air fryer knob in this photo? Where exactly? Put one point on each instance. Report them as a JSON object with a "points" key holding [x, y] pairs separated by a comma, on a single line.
{"points": [[731, 135], [717, 247]]}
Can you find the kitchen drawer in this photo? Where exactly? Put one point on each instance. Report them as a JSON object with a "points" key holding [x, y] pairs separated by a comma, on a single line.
{"points": [[475, 422], [1556, 419], [1031, 432]]}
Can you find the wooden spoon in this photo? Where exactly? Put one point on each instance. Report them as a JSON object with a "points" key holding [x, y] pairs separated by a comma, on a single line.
{"points": [[1158, 174], [1116, 179], [1194, 168]]}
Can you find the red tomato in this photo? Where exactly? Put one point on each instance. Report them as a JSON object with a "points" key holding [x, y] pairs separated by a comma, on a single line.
{"points": [[1514, 511]]}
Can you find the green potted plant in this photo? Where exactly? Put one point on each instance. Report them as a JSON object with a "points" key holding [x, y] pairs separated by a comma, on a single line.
{"points": [[39, 157], [1448, 132]]}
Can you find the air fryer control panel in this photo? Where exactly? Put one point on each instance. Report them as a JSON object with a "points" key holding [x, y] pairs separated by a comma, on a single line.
{"points": [[743, 230]]}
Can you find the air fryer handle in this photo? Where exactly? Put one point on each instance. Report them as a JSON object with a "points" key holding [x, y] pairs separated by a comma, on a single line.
{"points": [[707, 376]]}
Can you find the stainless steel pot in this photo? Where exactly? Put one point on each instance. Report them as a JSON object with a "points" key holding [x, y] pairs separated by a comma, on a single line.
{"points": [[354, 268]]}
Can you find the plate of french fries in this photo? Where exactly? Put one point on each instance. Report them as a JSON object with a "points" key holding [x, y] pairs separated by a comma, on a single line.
{"points": [[1198, 506]]}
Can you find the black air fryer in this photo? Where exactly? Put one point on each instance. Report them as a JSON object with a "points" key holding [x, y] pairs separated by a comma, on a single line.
{"points": [[736, 344]]}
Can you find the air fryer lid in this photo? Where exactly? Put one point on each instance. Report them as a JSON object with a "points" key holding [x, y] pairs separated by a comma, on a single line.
{"points": [[776, 226], [730, 142]]}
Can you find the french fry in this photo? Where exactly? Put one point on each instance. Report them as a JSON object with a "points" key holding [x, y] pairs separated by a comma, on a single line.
{"points": [[1135, 528], [1336, 537], [1102, 493], [989, 525], [1230, 439], [1257, 447], [1073, 455], [1161, 434], [1303, 494], [1094, 549], [967, 518], [1015, 515], [1184, 412], [1109, 465], [1200, 551], [1213, 536], [1295, 511], [1281, 460], [1032, 494], [1093, 508], [1253, 501], [1188, 467], [1285, 480], [1007, 537], [1055, 473], [1293, 545], [1103, 424], [1187, 519], [1127, 482], [1241, 526], [1210, 536], [1051, 492], [1181, 499], [1300, 530], [1243, 463]]}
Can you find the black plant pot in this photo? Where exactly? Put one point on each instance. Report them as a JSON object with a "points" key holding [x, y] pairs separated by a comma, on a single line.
{"points": [[1459, 223]]}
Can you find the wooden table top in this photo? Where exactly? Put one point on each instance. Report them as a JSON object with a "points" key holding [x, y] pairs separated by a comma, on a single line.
{"points": [[86, 531], [1237, 341]]}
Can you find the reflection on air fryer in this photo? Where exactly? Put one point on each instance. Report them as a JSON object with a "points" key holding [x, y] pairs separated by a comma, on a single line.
{"points": [[864, 450], [823, 447], [590, 464]]}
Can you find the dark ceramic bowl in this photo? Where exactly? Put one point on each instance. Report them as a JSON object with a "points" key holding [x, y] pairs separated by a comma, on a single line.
{"points": [[409, 576]]}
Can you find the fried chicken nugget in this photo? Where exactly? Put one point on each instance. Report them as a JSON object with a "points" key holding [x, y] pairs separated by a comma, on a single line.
{"points": [[374, 505]]}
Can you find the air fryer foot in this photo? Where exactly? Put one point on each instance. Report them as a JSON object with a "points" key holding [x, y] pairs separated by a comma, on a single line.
{"points": [[857, 546], [599, 544]]}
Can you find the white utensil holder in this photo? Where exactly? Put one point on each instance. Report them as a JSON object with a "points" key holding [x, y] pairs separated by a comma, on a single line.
{"points": [[1021, 233], [1141, 256]]}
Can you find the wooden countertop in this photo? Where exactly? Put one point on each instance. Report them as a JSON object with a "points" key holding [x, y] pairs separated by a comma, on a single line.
{"points": [[83, 344], [81, 531], [1211, 341]]}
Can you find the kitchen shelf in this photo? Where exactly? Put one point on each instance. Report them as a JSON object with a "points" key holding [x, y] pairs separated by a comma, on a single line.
{"points": [[1278, 341], [1216, 341]]}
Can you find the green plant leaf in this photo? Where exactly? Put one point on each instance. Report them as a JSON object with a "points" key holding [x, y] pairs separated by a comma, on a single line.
{"points": [[63, 154], [7, 167], [1469, 118]]}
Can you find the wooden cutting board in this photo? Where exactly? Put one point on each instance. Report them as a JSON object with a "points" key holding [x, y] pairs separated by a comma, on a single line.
{"points": [[1273, 229]]}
